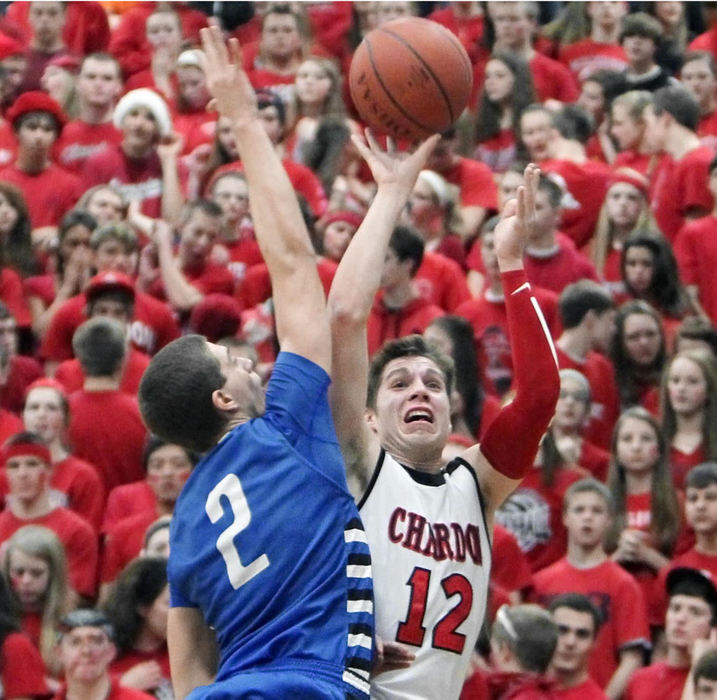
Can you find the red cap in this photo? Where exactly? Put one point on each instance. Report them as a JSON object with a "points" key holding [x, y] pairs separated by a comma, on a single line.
{"points": [[65, 61], [35, 101], [109, 280], [10, 47], [350, 217], [631, 177], [216, 316]]}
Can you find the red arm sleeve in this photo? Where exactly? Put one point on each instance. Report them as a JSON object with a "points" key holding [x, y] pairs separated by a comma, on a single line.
{"points": [[535, 379]]}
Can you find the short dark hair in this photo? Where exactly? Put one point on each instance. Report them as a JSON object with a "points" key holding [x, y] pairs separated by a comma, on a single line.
{"points": [[679, 102], [706, 667], [701, 476], [206, 206], [580, 603], [641, 24], [685, 580], [176, 404], [25, 438], [122, 296], [589, 485], [574, 123], [20, 121], [408, 346], [155, 443], [100, 345], [580, 297], [407, 245], [698, 328], [76, 217], [553, 189]]}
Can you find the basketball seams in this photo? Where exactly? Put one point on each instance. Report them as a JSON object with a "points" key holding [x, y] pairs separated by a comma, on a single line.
{"points": [[428, 68]]}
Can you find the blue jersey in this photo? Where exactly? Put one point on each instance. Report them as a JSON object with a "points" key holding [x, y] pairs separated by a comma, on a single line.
{"points": [[267, 542]]}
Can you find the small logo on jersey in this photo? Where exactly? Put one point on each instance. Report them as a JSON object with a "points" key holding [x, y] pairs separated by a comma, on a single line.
{"points": [[440, 541]]}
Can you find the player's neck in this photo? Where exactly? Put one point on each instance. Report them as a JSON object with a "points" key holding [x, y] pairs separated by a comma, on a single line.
{"points": [[98, 690]]}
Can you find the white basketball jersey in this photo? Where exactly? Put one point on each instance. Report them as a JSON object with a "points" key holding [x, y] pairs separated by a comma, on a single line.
{"points": [[431, 553]]}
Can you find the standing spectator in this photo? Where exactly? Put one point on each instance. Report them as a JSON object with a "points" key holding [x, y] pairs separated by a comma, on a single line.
{"points": [[144, 165], [587, 569], [680, 187], [629, 129], [596, 95], [691, 615], [49, 190], [86, 649], [578, 621], [105, 426], [98, 85], [699, 76], [640, 36], [28, 466]]}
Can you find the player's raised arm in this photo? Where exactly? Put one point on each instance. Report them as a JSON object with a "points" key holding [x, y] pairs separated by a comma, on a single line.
{"points": [[352, 293], [301, 322], [508, 449]]}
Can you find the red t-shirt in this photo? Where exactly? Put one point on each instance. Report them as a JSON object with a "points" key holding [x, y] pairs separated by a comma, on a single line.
{"points": [[12, 295], [605, 399], [23, 670], [117, 692], [631, 158], [497, 152], [49, 195], [24, 371], [152, 328], [657, 681], [9, 425], [586, 185], [618, 597], [80, 140], [594, 459], [557, 268], [678, 186], [585, 57], [123, 543], [388, 324], [128, 500], [77, 537], [587, 690], [707, 130], [106, 429], [682, 462], [696, 253], [509, 567], [8, 144], [71, 376], [131, 658], [552, 79], [706, 42], [475, 183], [441, 280]]}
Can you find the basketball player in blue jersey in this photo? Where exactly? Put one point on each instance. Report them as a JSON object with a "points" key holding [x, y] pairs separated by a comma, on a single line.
{"points": [[269, 560], [428, 524]]}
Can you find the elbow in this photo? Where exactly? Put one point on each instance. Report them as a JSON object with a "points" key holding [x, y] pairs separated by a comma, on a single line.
{"points": [[344, 313]]}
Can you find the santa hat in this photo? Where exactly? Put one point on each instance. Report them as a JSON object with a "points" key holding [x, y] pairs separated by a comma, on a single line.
{"points": [[149, 99], [35, 101], [10, 47]]}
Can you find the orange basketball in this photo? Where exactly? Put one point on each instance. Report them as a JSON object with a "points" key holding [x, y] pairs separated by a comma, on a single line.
{"points": [[410, 78]]}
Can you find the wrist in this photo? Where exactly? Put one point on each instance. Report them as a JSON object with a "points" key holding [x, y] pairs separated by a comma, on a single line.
{"points": [[513, 279]]}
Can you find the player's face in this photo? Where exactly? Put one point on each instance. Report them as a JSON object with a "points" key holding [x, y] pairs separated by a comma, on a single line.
{"points": [[27, 477], [688, 618], [637, 447], [112, 254], [624, 203], [686, 386], [197, 237], [312, 83], [168, 468], [535, 131], [412, 414], [576, 635], [29, 578], [243, 384], [706, 689], [44, 414], [573, 404], [232, 195], [699, 79], [337, 236], [642, 338], [639, 268], [626, 130], [701, 508], [499, 81], [155, 617], [85, 653], [99, 82], [586, 517]]}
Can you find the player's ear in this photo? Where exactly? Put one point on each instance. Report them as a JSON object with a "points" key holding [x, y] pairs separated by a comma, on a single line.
{"points": [[370, 417], [223, 401]]}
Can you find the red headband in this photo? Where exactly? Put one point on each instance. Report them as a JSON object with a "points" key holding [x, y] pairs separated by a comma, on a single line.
{"points": [[25, 449], [630, 177], [47, 383]]}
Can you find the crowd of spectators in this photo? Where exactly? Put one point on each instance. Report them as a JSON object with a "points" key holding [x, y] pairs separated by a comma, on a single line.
{"points": [[125, 222]]}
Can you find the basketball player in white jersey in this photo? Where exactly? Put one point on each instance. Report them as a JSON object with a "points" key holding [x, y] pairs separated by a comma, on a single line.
{"points": [[429, 524]]}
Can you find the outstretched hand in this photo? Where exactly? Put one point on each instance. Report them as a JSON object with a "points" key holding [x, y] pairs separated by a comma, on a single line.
{"points": [[390, 167], [391, 656], [232, 93], [517, 220]]}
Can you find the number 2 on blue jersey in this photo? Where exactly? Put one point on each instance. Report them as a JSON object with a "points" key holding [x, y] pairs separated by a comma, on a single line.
{"points": [[230, 486]]}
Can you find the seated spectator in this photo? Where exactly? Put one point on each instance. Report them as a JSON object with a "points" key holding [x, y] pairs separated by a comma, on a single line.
{"points": [[572, 414], [640, 37], [680, 190], [106, 428], [192, 120], [399, 308], [156, 539], [87, 674], [98, 86], [23, 672], [638, 354], [108, 295], [49, 190], [28, 466], [115, 251], [137, 608], [522, 643], [578, 621], [15, 239], [105, 203], [587, 569], [689, 415], [596, 95], [691, 615], [629, 130], [36, 567], [587, 313], [699, 75], [58, 81], [144, 165]]}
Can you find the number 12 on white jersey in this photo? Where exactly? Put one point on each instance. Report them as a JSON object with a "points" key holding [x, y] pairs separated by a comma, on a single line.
{"points": [[230, 486]]}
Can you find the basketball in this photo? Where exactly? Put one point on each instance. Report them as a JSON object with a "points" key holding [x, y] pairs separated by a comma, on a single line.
{"points": [[410, 78]]}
